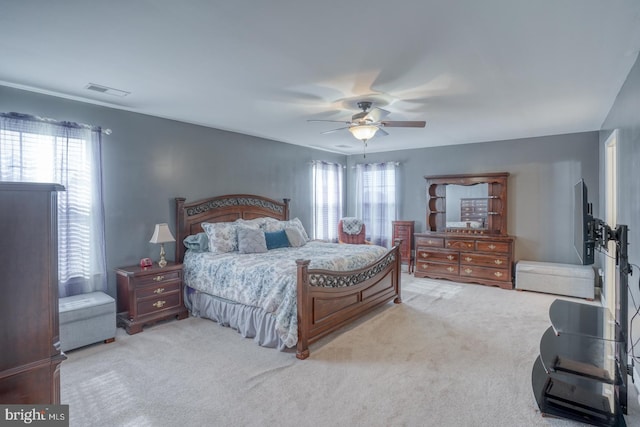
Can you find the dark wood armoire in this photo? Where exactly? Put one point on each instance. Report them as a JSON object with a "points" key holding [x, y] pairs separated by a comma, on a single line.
{"points": [[30, 353]]}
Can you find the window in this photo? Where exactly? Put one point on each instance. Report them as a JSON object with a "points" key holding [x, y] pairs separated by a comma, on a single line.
{"points": [[327, 199], [37, 150], [376, 200]]}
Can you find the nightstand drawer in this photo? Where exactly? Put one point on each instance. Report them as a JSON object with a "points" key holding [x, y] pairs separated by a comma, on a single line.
{"points": [[160, 303], [160, 277], [158, 290]]}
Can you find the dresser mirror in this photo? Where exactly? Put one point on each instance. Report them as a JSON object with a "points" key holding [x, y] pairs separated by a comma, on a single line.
{"points": [[468, 203]]}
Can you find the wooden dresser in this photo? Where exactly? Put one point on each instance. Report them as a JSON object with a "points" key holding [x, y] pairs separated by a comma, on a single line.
{"points": [[476, 259], [451, 248], [30, 353], [147, 295], [404, 230]]}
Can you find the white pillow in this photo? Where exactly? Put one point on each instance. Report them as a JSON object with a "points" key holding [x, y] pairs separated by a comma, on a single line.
{"points": [[222, 236], [296, 239]]}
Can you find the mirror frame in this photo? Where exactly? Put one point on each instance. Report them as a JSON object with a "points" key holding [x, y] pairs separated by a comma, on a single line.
{"points": [[497, 202]]}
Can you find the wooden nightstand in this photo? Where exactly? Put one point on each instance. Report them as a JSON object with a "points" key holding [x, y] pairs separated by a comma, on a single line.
{"points": [[147, 295]]}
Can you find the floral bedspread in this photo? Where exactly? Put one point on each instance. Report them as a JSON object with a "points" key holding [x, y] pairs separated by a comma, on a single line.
{"points": [[268, 280]]}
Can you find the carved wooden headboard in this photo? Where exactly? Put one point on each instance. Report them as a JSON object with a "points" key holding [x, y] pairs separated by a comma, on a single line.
{"points": [[190, 216]]}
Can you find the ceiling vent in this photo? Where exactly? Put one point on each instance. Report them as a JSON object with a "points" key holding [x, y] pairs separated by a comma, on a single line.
{"points": [[108, 90]]}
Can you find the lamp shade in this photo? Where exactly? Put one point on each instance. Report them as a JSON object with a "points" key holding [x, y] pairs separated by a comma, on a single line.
{"points": [[363, 132], [162, 234]]}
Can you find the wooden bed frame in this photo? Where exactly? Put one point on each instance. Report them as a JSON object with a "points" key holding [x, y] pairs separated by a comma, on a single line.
{"points": [[327, 300]]}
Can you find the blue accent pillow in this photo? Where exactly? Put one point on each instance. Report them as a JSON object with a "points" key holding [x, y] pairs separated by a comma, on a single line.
{"points": [[197, 242], [276, 239]]}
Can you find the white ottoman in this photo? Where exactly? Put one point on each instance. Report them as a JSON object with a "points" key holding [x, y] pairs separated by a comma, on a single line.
{"points": [[86, 319], [561, 279]]}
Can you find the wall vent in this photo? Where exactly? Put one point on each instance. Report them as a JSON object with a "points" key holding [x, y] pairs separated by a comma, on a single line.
{"points": [[108, 90]]}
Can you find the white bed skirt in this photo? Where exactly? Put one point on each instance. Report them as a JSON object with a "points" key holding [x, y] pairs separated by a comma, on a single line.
{"points": [[250, 322]]}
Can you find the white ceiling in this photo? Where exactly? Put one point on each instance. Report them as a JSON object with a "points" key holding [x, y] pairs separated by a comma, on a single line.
{"points": [[475, 70]]}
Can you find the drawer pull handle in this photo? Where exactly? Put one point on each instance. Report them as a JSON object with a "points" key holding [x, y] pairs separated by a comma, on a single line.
{"points": [[492, 246], [423, 255], [430, 242], [468, 270], [468, 259], [158, 278], [450, 269], [497, 274], [425, 266], [159, 304], [498, 261], [158, 291], [450, 257]]}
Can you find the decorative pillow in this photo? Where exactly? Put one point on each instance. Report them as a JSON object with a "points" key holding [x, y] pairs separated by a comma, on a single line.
{"points": [[296, 239], [197, 242], [251, 240], [276, 239], [296, 223], [270, 225], [222, 236], [251, 223], [274, 225]]}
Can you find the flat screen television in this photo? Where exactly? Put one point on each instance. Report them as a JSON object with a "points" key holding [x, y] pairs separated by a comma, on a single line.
{"points": [[583, 234]]}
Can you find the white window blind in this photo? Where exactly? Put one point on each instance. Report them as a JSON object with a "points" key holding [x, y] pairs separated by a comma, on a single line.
{"points": [[42, 152], [327, 199]]}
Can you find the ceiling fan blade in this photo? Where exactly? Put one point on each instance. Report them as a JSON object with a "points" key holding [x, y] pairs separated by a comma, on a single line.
{"points": [[403, 124], [331, 121], [376, 114], [334, 130], [381, 132]]}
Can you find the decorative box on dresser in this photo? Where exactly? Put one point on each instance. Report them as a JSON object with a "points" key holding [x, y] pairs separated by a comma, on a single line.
{"points": [[404, 230], [482, 254], [149, 294], [30, 353]]}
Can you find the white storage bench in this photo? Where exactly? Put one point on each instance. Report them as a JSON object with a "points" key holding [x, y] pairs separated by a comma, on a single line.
{"points": [[552, 278], [86, 319]]}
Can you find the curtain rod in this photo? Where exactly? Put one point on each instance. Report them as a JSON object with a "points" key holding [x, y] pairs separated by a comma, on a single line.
{"points": [[379, 163], [21, 116]]}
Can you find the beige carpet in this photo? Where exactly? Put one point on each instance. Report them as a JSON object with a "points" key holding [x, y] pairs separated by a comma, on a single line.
{"points": [[450, 355]]}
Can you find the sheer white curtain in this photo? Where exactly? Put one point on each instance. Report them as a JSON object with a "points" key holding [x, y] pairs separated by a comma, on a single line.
{"points": [[41, 150], [327, 181], [376, 188]]}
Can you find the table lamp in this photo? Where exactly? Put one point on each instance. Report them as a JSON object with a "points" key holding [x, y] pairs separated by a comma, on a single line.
{"points": [[162, 235]]}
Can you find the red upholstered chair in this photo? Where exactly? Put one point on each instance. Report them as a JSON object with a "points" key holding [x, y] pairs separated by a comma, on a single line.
{"points": [[353, 239]]}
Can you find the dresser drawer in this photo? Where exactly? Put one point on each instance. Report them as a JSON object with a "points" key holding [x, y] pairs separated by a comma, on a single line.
{"points": [[459, 244], [438, 256], [165, 276], [160, 289], [162, 302], [471, 258], [490, 246], [431, 268], [431, 242], [485, 273]]}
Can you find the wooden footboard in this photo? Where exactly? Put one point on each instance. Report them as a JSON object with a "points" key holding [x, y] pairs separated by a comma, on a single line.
{"points": [[328, 300]]}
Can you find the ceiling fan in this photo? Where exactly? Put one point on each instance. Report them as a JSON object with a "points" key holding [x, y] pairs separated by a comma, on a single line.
{"points": [[368, 123]]}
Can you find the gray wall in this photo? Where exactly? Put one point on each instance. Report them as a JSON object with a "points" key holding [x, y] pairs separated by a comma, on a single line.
{"points": [[149, 161], [543, 173], [624, 116]]}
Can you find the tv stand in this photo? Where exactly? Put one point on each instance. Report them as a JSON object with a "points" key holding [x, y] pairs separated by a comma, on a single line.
{"points": [[581, 371]]}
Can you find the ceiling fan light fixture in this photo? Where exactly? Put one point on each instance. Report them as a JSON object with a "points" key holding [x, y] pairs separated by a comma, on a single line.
{"points": [[363, 132]]}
